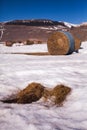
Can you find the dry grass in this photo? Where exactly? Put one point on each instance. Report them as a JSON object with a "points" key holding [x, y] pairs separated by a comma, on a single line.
{"points": [[34, 91], [31, 93], [47, 94], [33, 53], [60, 92]]}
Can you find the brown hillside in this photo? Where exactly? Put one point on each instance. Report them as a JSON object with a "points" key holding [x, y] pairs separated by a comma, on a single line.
{"points": [[38, 30]]}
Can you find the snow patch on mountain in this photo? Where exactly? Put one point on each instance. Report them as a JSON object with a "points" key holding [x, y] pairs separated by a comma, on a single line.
{"points": [[70, 24]]}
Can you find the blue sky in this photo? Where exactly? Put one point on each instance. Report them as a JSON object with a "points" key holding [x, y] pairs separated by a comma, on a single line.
{"points": [[74, 11]]}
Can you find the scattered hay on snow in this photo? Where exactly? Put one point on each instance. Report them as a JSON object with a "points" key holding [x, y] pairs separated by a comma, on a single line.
{"points": [[31, 93], [60, 93], [57, 95], [34, 91]]}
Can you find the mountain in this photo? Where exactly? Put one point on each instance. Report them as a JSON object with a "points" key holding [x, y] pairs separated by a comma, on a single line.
{"points": [[35, 22], [84, 24], [70, 24], [80, 31], [36, 29]]}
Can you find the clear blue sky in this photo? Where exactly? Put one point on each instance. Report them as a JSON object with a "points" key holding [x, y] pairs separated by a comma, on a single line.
{"points": [[74, 11]]}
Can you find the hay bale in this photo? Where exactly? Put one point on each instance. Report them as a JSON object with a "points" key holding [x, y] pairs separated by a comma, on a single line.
{"points": [[58, 44], [60, 93], [77, 43], [31, 93], [62, 43], [8, 43]]}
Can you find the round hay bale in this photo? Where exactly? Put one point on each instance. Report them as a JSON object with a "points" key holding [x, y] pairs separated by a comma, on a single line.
{"points": [[9, 43], [31, 93], [61, 43], [77, 43]]}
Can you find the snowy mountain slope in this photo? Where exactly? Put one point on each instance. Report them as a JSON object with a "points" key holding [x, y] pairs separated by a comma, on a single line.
{"points": [[40, 22], [16, 71], [70, 24]]}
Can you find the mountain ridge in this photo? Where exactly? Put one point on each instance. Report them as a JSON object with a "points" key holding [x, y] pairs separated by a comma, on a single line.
{"points": [[37, 22], [38, 29]]}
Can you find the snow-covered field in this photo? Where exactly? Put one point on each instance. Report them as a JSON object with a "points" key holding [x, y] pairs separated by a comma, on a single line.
{"points": [[17, 71]]}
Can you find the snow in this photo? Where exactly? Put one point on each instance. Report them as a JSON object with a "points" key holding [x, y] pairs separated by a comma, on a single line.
{"points": [[15, 48], [53, 27], [17, 71], [70, 24]]}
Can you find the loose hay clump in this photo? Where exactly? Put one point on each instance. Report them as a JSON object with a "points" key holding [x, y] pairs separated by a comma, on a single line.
{"points": [[47, 94], [34, 91], [60, 93], [57, 95], [58, 44], [31, 93]]}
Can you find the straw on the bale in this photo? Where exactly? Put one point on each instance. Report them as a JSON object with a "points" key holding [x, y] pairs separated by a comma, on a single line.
{"points": [[58, 44], [31, 93]]}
